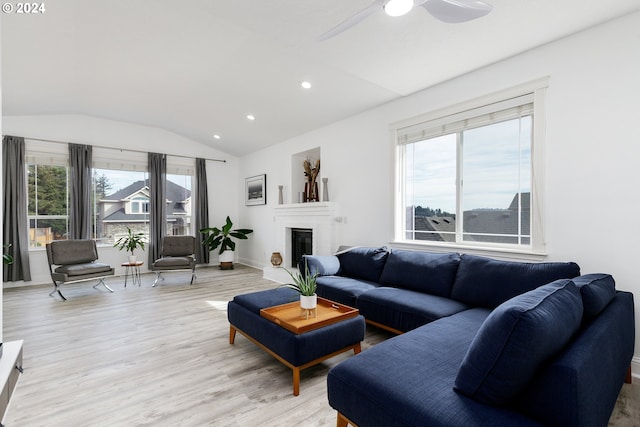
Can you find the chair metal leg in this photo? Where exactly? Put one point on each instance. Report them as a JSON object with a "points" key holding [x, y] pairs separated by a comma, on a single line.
{"points": [[101, 282], [56, 288], [193, 276], [158, 277]]}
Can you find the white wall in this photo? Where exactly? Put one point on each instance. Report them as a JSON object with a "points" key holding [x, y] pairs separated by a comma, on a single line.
{"points": [[223, 197], [592, 150]]}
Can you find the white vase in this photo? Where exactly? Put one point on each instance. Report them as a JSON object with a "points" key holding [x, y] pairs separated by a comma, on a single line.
{"points": [[132, 259], [308, 302], [226, 256]]}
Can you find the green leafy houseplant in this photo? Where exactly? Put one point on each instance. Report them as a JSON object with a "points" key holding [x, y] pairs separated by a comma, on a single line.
{"points": [[7, 258], [130, 242], [305, 283], [222, 237]]}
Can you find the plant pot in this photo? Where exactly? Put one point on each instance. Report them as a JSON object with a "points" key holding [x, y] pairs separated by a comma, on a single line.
{"points": [[132, 259], [226, 260], [308, 302]]}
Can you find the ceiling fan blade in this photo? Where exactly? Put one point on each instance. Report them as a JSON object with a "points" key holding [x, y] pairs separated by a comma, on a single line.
{"points": [[455, 11], [352, 20]]}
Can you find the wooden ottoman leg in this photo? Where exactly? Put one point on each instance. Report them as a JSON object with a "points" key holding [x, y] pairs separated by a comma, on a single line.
{"points": [[296, 381], [232, 334], [357, 348]]}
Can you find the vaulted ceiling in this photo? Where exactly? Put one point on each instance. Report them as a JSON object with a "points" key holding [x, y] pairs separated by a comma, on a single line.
{"points": [[198, 67]]}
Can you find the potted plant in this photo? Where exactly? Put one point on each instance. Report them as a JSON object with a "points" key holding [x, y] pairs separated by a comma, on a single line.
{"points": [[215, 237], [305, 284], [130, 243], [7, 258]]}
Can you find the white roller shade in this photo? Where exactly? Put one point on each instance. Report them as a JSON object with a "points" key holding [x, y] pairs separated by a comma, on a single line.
{"points": [[500, 111]]}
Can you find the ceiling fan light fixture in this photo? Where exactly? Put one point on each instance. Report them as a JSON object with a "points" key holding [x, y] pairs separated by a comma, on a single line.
{"points": [[398, 7]]}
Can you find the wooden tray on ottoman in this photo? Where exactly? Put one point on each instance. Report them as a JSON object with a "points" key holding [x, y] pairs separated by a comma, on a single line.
{"points": [[290, 317]]}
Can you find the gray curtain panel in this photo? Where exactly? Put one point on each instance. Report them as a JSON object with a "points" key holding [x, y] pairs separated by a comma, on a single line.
{"points": [[15, 227], [157, 203], [80, 203], [201, 209]]}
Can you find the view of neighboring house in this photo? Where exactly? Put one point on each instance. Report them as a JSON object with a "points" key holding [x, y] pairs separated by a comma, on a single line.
{"points": [[479, 225], [129, 208]]}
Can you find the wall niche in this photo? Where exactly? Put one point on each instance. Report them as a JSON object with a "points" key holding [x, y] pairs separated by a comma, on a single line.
{"points": [[298, 179]]}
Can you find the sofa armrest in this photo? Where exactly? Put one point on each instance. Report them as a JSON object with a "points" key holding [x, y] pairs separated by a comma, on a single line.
{"points": [[323, 265]]}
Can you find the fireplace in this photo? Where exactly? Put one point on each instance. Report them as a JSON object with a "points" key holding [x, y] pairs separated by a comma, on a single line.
{"points": [[301, 244], [320, 219]]}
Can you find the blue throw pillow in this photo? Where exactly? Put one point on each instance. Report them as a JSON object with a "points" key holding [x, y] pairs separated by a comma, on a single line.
{"points": [[363, 263], [421, 271], [597, 291], [516, 339], [322, 265], [487, 282]]}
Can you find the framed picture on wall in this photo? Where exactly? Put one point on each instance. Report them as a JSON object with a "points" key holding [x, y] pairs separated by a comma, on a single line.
{"points": [[255, 190]]}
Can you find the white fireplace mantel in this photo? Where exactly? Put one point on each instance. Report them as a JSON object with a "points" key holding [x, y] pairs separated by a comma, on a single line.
{"points": [[321, 217]]}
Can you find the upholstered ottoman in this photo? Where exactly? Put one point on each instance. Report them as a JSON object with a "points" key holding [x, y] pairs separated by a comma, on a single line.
{"points": [[297, 351]]}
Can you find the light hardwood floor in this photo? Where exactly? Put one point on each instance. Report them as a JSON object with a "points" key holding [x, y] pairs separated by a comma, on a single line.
{"points": [[155, 356]]}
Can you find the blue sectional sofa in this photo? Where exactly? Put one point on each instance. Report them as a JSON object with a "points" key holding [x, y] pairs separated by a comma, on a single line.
{"points": [[481, 342]]}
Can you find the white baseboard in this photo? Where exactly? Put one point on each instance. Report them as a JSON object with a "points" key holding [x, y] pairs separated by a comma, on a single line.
{"points": [[635, 367]]}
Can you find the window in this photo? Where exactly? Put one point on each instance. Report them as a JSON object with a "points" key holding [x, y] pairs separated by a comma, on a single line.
{"points": [[466, 177], [48, 201], [120, 193], [140, 205], [121, 201], [179, 204]]}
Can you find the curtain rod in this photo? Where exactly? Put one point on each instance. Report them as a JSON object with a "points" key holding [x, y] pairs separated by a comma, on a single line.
{"points": [[121, 149]]}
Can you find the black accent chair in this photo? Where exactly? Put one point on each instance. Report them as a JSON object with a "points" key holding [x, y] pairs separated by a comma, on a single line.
{"points": [[75, 261], [176, 253]]}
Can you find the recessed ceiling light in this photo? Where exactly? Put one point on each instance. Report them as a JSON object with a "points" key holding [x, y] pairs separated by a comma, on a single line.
{"points": [[305, 85], [398, 7], [251, 117], [216, 136]]}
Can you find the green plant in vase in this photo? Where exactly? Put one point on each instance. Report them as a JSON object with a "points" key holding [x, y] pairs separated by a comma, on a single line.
{"points": [[130, 242], [222, 238], [305, 284]]}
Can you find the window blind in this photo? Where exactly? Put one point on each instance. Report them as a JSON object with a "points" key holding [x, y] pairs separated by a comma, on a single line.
{"points": [[492, 113]]}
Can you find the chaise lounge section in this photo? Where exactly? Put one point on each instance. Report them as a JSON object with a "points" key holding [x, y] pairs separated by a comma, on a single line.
{"points": [[481, 341]]}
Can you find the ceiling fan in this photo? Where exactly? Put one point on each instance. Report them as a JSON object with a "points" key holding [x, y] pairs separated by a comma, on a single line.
{"points": [[450, 11]]}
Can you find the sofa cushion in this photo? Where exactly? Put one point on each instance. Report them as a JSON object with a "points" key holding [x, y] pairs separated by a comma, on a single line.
{"points": [[363, 263], [421, 271], [486, 282], [597, 291], [516, 339], [404, 310], [343, 289], [322, 265], [82, 269]]}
